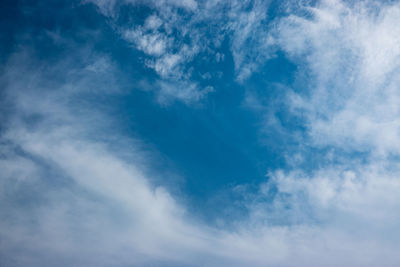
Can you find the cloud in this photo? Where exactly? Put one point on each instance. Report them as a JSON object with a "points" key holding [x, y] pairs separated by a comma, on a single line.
{"points": [[249, 29], [67, 198], [346, 94], [176, 41], [351, 54], [70, 196], [168, 40], [151, 44]]}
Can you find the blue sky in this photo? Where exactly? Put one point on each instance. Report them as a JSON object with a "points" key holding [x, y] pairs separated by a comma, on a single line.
{"points": [[199, 133]]}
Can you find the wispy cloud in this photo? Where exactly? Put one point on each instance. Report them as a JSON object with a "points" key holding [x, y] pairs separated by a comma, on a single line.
{"points": [[174, 39]]}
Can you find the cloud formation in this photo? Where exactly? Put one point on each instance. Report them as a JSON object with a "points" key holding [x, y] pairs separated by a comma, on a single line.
{"points": [[73, 195], [177, 35], [351, 53]]}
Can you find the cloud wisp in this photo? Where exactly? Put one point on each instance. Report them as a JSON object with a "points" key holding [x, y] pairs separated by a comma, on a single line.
{"points": [[178, 36]]}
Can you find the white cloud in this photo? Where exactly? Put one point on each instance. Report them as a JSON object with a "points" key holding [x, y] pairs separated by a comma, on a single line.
{"points": [[192, 92], [153, 44], [161, 39], [86, 204], [153, 22], [251, 41], [173, 41], [352, 56], [71, 199]]}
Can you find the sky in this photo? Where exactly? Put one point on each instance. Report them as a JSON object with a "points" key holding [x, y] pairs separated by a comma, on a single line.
{"points": [[199, 133]]}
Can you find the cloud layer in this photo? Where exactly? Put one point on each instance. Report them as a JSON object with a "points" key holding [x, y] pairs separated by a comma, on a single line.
{"points": [[75, 191]]}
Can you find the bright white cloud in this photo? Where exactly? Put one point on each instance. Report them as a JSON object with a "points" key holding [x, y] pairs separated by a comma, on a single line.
{"points": [[352, 54]]}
